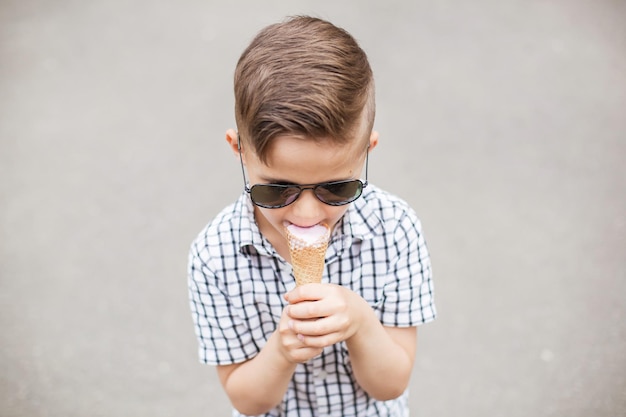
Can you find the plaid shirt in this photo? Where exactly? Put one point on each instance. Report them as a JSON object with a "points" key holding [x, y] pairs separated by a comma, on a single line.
{"points": [[236, 283]]}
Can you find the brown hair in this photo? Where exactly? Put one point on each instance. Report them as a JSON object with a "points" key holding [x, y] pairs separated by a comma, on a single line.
{"points": [[305, 77]]}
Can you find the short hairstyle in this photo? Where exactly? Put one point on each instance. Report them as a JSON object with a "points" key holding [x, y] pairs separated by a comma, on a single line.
{"points": [[306, 77]]}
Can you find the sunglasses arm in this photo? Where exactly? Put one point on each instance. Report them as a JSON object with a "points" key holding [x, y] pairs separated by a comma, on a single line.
{"points": [[246, 186]]}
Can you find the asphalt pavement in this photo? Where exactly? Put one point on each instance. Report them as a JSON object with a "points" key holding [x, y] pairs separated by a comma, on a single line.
{"points": [[503, 123]]}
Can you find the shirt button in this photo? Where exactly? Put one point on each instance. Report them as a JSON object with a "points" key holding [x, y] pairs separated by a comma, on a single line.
{"points": [[322, 374]]}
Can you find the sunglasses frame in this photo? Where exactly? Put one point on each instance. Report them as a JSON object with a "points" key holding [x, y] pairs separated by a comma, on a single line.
{"points": [[303, 187]]}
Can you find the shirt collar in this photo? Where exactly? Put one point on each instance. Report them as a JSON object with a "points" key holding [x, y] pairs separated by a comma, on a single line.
{"points": [[249, 234], [360, 221]]}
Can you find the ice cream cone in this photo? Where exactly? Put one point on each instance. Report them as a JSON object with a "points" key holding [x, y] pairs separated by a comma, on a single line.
{"points": [[307, 248]]}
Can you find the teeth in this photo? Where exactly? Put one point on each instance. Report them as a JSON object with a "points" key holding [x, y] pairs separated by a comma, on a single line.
{"points": [[307, 248]]}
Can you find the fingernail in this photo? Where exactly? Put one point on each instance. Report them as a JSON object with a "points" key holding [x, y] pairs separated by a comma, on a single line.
{"points": [[300, 337], [290, 324]]}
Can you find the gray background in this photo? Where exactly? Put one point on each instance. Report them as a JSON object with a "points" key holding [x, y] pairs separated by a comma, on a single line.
{"points": [[502, 123]]}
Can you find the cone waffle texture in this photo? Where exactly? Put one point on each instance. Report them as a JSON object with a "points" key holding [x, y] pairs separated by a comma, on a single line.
{"points": [[307, 254]]}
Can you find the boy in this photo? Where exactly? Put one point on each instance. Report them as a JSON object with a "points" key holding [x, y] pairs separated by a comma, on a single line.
{"points": [[304, 104]]}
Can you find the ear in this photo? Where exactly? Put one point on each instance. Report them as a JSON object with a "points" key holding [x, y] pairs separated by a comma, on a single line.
{"points": [[232, 137], [373, 140]]}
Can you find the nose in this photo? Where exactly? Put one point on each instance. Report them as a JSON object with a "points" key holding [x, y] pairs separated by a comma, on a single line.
{"points": [[307, 209]]}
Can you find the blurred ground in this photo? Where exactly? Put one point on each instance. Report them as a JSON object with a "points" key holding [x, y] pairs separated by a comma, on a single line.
{"points": [[502, 123]]}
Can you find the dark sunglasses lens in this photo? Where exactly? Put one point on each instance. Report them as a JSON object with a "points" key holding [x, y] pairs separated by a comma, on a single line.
{"points": [[273, 196], [339, 193]]}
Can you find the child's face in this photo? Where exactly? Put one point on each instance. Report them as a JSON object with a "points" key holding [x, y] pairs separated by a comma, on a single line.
{"points": [[297, 161]]}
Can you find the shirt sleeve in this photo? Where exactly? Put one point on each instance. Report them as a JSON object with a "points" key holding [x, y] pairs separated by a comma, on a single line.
{"points": [[223, 336], [408, 293]]}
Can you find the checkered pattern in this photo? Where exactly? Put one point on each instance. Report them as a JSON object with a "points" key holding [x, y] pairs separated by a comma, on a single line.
{"points": [[236, 283]]}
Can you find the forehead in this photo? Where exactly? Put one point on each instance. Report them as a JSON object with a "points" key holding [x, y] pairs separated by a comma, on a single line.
{"points": [[301, 160]]}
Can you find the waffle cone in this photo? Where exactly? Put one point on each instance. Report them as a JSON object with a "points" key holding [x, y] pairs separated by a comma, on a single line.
{"points": [[307, 258]]}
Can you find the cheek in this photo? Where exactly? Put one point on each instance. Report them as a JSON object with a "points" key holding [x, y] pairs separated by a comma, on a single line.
{"points": [[333, 214], [272, 215], [275, 217]]}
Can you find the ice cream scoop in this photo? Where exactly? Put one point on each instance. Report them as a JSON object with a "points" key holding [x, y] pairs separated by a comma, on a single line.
{"points": [[307, 248]]}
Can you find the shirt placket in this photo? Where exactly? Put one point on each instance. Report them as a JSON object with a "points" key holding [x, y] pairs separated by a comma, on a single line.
{"points": [[320, 376]]}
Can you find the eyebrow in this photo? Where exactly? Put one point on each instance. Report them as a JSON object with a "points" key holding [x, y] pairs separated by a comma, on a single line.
{"points": [[270, 180]]}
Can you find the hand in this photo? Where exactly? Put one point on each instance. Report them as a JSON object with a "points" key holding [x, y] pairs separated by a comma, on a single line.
{"points": [[291, 346], [321, 315]]}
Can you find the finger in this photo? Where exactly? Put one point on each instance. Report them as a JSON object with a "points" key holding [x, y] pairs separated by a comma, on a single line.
{"points": [[294, 348], [308, 310], [304, 354], [317, 327], [320, 342], [292, 344], [307, 292]]}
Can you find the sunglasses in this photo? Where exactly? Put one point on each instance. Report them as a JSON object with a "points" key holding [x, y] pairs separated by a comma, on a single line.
{"points": [[334, 193]]}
